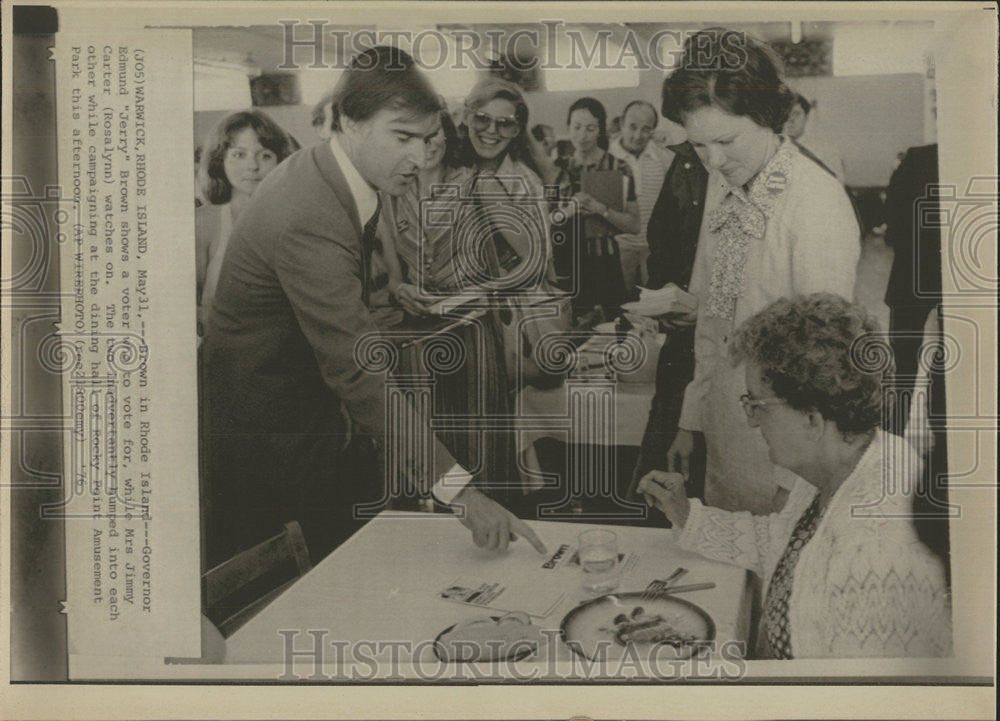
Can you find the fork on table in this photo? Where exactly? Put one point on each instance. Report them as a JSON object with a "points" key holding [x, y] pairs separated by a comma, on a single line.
{"points": [[660, 586]]}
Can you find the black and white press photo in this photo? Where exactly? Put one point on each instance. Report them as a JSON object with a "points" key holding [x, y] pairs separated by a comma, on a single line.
{"points": [[538, 352]]}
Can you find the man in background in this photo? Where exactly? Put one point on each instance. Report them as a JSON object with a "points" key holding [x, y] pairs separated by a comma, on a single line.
{"points": [[796, 129], [649, 163]]}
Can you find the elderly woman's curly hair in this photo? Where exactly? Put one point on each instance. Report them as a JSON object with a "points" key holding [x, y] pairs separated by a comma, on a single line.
{"points": [[806, 347]]}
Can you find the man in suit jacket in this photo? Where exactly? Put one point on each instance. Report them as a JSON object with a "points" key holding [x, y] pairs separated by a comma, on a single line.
{"points": [[283, 389]]}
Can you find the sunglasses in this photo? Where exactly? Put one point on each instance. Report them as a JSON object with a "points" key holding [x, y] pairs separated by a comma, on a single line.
{"points": [[506, 127]]}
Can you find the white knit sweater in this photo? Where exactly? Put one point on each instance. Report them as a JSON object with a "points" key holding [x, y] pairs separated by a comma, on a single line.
{"points": [[864, 585]]}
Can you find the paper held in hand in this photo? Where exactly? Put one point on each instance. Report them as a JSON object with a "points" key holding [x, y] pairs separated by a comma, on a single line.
{"points": [[668, 299]]}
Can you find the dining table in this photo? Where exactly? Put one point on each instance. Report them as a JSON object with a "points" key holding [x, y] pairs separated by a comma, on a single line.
{"points": [[373, 608]]}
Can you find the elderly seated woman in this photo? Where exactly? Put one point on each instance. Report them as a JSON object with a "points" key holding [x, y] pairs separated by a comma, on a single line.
{"points": [[845, 573]]}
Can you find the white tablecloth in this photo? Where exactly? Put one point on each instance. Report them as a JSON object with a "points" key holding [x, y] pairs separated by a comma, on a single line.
{"points": [[381, 588]]}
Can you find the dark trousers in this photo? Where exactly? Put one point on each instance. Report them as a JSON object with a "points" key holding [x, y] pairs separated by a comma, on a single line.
{"points": [[674, 370]]}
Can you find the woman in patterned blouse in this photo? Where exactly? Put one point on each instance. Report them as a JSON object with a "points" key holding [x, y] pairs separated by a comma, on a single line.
{"points": [[776, 224], [845, 572], [601, 281]]}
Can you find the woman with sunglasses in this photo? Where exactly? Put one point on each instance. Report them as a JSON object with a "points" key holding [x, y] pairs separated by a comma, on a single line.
{"points": [[601, 282], [508, 165], [776, 224], [845, 572], [495, 130]]}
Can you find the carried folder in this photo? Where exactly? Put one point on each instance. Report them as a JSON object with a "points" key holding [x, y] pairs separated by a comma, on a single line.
{"points": [[607, 186]]}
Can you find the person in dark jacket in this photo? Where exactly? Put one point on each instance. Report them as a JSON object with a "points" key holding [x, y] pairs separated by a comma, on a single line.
{"points": [[672, 234], [675, 221]]}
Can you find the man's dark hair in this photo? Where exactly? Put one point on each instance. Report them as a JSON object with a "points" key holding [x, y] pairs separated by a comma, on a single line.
{"points": [[452, 142], [382, 77]]}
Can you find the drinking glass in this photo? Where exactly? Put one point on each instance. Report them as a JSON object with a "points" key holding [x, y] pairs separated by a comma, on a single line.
{"points": [[599, 561]]}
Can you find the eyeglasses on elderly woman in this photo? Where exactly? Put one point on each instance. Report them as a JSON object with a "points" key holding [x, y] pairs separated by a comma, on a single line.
{"points": [[506, 127], [751, 404]]}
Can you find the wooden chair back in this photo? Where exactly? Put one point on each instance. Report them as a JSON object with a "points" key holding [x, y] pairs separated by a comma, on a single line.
{"points": [[238, 588]]}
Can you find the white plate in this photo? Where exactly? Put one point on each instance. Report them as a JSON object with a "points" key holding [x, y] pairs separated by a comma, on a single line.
{"points": [[605, 626]]}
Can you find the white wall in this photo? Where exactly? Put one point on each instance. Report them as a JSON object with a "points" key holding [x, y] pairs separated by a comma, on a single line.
{"points": [[868, 118]]}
